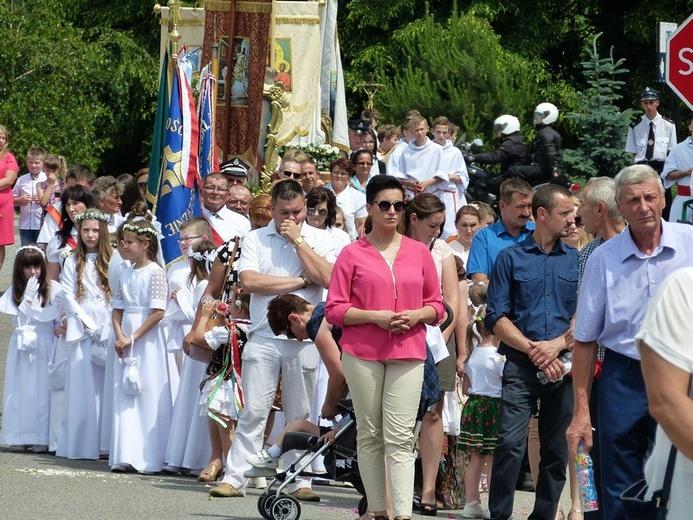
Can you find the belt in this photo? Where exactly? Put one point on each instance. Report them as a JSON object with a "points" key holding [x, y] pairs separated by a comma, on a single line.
{"points": [[684, 191]]}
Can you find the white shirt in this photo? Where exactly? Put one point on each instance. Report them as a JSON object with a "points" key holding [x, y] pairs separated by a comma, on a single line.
{"points": [[30, 215], [667, 329], [485, 371], [638, 135], [422, 163], [228, 224], [393, 165], [267, 252], [680, 158], [353, 204], [49, 228]]}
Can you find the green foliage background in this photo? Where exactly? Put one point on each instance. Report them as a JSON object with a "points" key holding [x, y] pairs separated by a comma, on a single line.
{"points": [[79, 77]]}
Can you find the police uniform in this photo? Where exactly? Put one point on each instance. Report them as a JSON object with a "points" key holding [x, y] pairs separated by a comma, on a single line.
{"points": [[662, 141]]}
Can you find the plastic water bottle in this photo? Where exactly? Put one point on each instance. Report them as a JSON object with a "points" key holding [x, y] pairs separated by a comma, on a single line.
{"points": [[567, 360], [585, 478]]}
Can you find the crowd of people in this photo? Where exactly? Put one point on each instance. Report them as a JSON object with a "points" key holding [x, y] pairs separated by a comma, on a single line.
{"points": [[383, 284]]}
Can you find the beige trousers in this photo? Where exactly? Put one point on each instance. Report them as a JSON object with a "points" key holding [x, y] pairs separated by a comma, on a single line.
{"points": [[386, 396]]}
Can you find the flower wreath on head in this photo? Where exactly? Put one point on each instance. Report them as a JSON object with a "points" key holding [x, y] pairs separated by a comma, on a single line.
{"points": [[207, 257], [92, 214], [140, 230]]}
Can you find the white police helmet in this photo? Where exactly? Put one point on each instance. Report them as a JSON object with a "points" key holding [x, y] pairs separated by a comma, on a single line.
{"points": [[547, 111], [506, 124]]}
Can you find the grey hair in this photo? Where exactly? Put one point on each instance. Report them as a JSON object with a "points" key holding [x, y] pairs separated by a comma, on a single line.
{"points": [[103, 186], [603, 189], [637, 174]]}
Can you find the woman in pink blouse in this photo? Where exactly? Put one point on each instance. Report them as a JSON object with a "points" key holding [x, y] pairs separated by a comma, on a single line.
{"points": [[8, 174], [384, 288]]}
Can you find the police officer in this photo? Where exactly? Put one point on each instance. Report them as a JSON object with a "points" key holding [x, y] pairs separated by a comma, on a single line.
{"points": [[651, 137]]}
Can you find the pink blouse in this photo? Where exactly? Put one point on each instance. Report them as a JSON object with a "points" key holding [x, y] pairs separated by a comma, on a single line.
{"points": [[361, 278]]}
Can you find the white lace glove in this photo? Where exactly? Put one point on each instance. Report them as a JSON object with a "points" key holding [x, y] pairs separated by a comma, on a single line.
{"points": [[217, 337]]}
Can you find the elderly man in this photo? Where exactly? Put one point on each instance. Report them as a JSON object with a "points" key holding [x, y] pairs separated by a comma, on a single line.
{"points": [[531, 300], [513, 227], [620, 278], [287, 256], [239, 199], [225, 223]]}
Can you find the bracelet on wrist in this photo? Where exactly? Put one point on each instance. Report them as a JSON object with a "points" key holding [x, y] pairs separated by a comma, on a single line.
{"points": [[298, 241]]}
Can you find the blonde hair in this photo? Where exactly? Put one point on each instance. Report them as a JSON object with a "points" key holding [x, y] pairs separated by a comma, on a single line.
{"points": [[102, 259], [476, 330]]}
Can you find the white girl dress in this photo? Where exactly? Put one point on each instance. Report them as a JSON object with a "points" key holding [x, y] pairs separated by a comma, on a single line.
{"points": [[141, 422]]}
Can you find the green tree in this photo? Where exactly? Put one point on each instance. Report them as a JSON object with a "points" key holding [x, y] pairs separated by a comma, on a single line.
{"points": [[459, 68], [601, 125], [84, 93]]}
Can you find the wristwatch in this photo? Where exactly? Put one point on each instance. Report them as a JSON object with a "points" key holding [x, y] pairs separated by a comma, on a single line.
{"points": [[298, 241]]}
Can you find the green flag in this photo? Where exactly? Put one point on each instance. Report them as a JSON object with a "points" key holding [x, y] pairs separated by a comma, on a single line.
{"points": [[158, 141]]}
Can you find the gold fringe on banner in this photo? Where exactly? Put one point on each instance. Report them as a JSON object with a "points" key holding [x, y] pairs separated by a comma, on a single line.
{"points": [[254, 7], [298, 20]]}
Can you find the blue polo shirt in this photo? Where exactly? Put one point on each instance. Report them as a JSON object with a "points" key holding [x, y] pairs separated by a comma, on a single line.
{"points": [[535, 290], [490, 241]]}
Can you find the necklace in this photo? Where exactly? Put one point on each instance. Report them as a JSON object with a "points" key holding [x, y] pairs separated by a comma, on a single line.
{"points": [[378, 247]]}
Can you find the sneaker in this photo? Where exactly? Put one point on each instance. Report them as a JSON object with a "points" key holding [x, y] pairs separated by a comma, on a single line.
{"points": [[263, 460], [474, 510], [258, 483]]}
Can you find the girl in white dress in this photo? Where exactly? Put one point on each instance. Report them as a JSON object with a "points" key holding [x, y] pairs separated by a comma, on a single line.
{"points": [[26, 396], [74, 201], [87, 296], [188, 443], [141, 403]]}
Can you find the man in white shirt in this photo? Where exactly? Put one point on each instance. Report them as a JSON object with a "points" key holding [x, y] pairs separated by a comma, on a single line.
{"points": [[225, 223], [287, 256], [677, 170]]}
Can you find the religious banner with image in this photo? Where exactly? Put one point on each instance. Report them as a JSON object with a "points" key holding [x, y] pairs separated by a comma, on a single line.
{"points": [[242, 28]]}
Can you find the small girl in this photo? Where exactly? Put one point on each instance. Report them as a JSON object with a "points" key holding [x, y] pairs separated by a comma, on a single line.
{"points": [[26, 395], [87, 305], [50, 190], [188, 443], [142, 399], [483, 374]]}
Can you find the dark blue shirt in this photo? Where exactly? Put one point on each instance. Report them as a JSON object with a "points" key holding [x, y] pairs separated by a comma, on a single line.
{"points": [[535, 290], [313, 324]]}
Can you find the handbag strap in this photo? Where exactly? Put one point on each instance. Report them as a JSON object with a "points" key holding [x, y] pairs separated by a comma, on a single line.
{"points": [[661, 497], [228, 267]]}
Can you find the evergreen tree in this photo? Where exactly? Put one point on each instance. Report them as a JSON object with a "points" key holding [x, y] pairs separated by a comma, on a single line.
{"points": [[601, 125]]}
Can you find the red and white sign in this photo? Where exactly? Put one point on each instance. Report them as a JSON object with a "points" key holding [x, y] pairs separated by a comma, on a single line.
{"points": [[679, 64]]}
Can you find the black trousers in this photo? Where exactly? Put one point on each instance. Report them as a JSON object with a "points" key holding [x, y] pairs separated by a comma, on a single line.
{"points": [[521, 389]]}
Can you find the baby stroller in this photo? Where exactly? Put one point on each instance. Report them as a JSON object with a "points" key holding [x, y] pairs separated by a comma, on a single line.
{"points": [[340, 463]]}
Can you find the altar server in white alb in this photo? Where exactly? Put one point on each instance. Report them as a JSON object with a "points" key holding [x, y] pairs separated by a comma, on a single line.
{"points": [[420, 161], [450, 192]]}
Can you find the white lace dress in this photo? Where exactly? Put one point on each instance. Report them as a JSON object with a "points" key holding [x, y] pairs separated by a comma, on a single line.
{"points": [[141, 422]]}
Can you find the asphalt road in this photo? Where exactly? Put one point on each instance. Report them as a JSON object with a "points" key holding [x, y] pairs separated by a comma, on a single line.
{"points": [[42, 486]]}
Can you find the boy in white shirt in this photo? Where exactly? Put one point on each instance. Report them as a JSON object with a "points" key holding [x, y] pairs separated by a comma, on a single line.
{"points": [[26, 196]]}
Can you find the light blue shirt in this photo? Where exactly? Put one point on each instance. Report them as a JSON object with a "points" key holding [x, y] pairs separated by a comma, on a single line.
{"points": [[620, 280], [490, 241]]}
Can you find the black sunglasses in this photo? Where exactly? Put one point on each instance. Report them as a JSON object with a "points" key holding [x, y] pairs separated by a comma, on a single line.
{"points": [[315, 211], [385, 205], [289, 173]]}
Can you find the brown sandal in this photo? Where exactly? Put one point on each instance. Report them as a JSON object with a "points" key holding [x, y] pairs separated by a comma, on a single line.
{"points": [[210, 473]]}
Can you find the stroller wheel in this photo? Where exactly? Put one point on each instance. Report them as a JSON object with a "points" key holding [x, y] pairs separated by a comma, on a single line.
{"points": [[264, 503], [285, 508], [363, 506]]}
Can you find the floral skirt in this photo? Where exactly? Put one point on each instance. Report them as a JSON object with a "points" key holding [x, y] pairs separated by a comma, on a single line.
{"points": [[479, 424]]}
